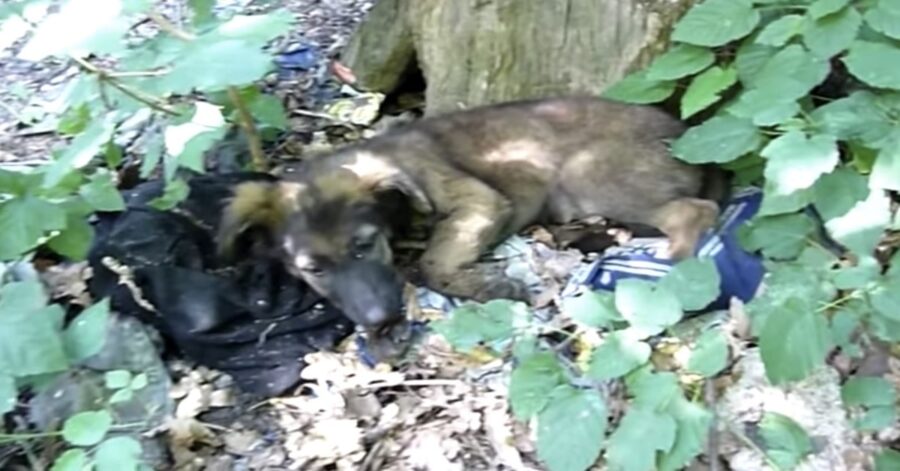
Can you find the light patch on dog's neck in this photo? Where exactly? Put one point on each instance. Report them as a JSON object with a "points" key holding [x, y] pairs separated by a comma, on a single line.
{"points": [[369, 168]]}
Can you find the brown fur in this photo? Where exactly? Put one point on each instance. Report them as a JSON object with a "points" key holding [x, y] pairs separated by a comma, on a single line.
{"points": [[484, 174]]}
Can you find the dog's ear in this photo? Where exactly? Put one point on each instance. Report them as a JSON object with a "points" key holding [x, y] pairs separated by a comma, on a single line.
{"points": [[262, 206], [401, 182]]}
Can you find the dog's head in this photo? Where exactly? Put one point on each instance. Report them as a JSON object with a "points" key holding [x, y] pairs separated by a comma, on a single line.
{"points": [[334, 230]]}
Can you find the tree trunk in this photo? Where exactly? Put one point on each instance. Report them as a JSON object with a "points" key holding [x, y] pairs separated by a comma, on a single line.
{"points": [[475, 52]]}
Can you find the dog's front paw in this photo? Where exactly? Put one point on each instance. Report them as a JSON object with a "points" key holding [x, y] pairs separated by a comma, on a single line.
{"points": [[504, 288]]}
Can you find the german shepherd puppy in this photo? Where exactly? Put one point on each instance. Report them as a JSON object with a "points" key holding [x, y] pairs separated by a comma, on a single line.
{"points": [[482, 175]]}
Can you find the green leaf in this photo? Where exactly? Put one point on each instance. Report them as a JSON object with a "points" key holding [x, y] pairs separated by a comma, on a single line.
{"points": [[79, 27], [101, 193], [710, 355], [821, 8], [472, 324], [87, 428], [876, 64], [793, 341], [22, 297], [641, 434], [862, 227], [203, 11], [862, 115], [86, 334], [117, 379], [790, 74], [74, 120], [214, 65], [886, 172], [885, 18], [82, 150], [779, 237], [75, 240], [795, 162], [188, 141], [592, 308], [25, 220], [256, 30], [887, 460], [764, 107], [30, 344], [780, 31], [638, 89], [680, 61], [832, 34], [571, 429], [647, 307], [121, 395], [751, 58], [838, 192], [868, 391], [138, 382], [118, 454], [654, 391], [876, 418], [716, 22], [786, 442], [617, 355], [74, 459], [269, 111], [532, 382], [718, 140], [705, 89], [774, 203], [690, 437], [175, 192], [694, 281], [8, 393], [843, 325]]}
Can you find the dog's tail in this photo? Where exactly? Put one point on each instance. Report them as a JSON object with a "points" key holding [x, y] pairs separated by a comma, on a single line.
{"points": [[716, 184], [254, 205]]}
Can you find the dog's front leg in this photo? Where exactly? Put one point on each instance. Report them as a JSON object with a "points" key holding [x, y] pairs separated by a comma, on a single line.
{"points": [[475, 224]]}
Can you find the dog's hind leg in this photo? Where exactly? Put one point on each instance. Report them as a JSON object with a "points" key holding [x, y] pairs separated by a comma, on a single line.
{"points": [[478, 219]]}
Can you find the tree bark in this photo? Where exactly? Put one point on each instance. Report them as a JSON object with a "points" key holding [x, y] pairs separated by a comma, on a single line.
{"points": [[476, 52]]}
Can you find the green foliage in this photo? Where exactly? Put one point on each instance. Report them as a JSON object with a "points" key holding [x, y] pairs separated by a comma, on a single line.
{"points": [[618, 355], [786, 443], [695, 282], [592, 309], [87, 428], [571, 429], [876, 397], [648, 307], [472, 324], [532, 382], [710, 356]]}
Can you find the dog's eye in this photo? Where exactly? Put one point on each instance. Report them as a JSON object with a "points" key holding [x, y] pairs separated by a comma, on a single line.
{"points": [[363, 247], [313, 270]]}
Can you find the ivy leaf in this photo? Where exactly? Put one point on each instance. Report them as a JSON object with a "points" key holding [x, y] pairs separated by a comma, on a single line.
{"points": [[138, 382], [780, 31], [175, 192], [269, 111], [654, 391], [690, 438], [886, 172], [188, 141], [647, 307], [793, 341], [716, 22], [117, 379], [862, 227], [214, 65], [710, 355], [472, 324], [776, 203], [532, 382], [82, 150], [838, 192], [118, 454], [571, 429], [876, 418], [790, 74], [617, 355], [121, 395], [30, 344], [796, 162], [832, 34], [101, 193], [821, 8], [74, 120], [843, 324], [885, 18], [638, 89], [641, 434], [680, 61], [718, 140], [25, 220], [79, 27], [765, 107], [8, 393], [87, 428], [779, 237], [750, 59], [75, 240], [74, 459], [705, 89], [868, 391], [203, 11], [694, 281], [858, 116], [876, 64], [592, 308], [786, 442]]}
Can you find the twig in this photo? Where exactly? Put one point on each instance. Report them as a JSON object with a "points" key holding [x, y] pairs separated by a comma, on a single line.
{"points": [[414, 383], [167, 26], [751, 444], [105, 77], [246, 121]]}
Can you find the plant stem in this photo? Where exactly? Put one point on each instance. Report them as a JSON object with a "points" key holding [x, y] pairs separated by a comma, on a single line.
{"points": [[167, 26], [246, 121], [106, 77]]}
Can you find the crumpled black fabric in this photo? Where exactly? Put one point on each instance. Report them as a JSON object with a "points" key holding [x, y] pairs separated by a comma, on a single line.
{"points": [[250, 319]]}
